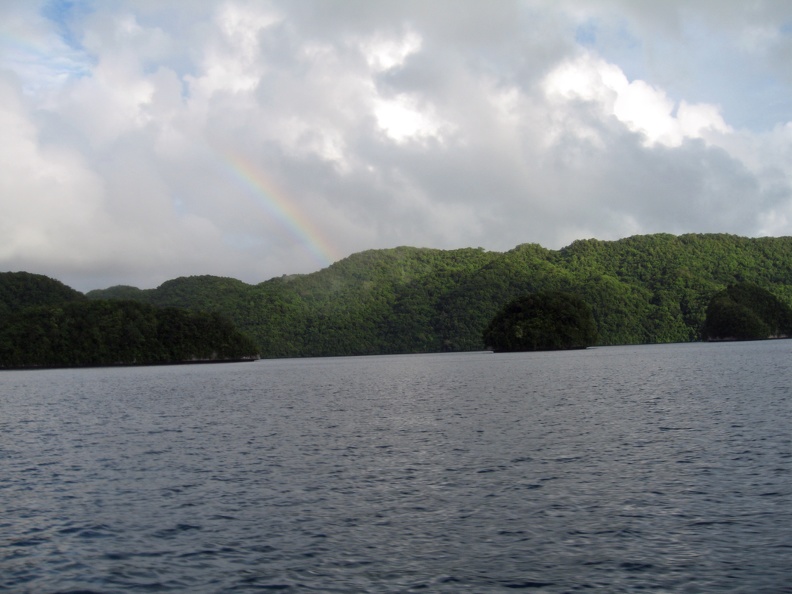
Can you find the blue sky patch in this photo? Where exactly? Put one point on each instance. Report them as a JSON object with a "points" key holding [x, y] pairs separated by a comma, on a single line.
{"points": [[63, 13], [586, 33]]}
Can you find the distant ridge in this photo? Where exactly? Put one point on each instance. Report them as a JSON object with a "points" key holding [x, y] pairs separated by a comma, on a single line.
{"points": [[642, 289]]}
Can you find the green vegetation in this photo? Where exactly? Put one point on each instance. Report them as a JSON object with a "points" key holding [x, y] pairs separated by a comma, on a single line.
{"points": [[642, 289], [545, 321], [746, 311], [62, 329], [23, 289]]}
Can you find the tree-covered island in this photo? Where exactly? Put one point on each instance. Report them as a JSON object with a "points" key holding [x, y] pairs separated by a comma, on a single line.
{"points": [[544, 321], [61, 328], [745, 311]]}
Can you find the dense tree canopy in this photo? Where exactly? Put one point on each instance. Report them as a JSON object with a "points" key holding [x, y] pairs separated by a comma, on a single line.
{"points": [[642, 289], [23, 289], [544, 321], [745, 311], [80, 332]]}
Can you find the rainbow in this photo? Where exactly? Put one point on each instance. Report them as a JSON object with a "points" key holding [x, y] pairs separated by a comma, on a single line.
{"points": [[277, 203]]}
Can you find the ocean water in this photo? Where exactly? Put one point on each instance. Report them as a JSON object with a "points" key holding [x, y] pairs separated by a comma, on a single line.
{"points": [[662, 468]]}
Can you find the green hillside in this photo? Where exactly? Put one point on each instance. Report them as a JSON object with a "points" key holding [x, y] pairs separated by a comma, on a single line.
{"points": [[23, 289], [642, 289], [44, 323]]}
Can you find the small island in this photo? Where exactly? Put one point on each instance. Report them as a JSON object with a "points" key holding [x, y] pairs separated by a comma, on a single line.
{"points": [[745, 311], [544, 321]]}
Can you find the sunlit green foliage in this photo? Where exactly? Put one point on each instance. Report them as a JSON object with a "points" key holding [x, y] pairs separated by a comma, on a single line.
{"points": [[642, 289]]}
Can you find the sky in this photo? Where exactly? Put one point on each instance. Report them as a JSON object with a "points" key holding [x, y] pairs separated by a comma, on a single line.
{"points": [[143, 140]]}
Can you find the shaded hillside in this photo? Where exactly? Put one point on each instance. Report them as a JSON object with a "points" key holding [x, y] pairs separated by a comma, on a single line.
{"points": [[542, 321], [642, 289], [23, 289], [378, 301], [104, 332], [746, 311], [44, 323]]}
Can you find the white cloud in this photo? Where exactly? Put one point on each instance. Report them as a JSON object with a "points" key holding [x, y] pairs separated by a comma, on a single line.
{"points": [[34, 52], [402, 119], [383, 53], [47, 191], [231, 58], [374, 125], [640, 106]]}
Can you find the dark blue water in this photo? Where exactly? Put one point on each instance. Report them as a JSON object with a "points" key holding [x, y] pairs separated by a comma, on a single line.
{"points": [[621, 469]]}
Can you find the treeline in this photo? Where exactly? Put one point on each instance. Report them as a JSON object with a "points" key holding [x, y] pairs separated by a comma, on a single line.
{"points": [[63, 329], [642, 289]]}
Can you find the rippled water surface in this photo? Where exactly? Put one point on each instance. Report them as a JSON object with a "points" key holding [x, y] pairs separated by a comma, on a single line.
{"points": [[655, 468]]}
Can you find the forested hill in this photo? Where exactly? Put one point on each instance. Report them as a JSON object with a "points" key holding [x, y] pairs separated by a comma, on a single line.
{"points": [[642, 289], [19, 290], [44, 323]]}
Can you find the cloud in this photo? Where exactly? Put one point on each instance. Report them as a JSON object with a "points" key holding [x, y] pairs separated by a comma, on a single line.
{"points": [[145, 140], [639, 106]]}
